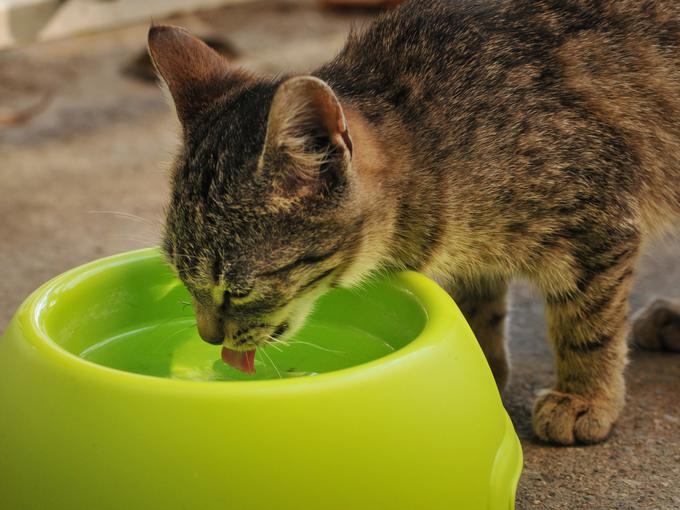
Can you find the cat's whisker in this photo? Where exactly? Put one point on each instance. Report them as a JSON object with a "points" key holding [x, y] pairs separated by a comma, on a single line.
{"points": [[130, 216], [170, 337], [264, 353], [275, 340], [170, 319], [274, 346], [333, 351], [146, 241]]}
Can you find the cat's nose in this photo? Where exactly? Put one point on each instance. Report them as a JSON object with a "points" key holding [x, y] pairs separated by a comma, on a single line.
{"points": [[209, 327]]}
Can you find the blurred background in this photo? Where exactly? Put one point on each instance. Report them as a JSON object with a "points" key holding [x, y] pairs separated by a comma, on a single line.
{"points": [[85, 143]]}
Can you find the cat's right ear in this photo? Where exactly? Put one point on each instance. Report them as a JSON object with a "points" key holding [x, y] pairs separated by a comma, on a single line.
{"points": [[308, 147], [195, 73]]}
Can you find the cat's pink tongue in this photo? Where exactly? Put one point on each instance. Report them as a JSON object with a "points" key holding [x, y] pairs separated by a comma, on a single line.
{"points": [[240, 360]]}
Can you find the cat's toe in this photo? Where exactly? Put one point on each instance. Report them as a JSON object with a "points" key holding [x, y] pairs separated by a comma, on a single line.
{"points": [[657, 327], [566, 419]]}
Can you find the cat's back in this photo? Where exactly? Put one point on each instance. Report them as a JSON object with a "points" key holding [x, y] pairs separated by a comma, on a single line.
{"points": [[437, 41], [528, 88]]}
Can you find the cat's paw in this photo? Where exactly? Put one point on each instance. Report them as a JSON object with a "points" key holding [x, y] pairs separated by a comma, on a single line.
{"points": [[657, 327], [566, 419]]}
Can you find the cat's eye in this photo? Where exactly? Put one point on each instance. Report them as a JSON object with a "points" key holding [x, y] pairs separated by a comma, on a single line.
{"points": [[220, 296], [241, 298]]}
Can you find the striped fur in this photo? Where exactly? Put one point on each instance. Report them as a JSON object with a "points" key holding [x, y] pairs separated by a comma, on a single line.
{"points": [[477, 141]]}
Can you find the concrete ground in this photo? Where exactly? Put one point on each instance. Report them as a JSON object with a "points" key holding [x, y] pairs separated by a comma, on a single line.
{"points": [[86, 178]]}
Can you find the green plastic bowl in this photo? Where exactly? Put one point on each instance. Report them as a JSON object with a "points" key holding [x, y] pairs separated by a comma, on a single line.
{"points": [[108, 400]]}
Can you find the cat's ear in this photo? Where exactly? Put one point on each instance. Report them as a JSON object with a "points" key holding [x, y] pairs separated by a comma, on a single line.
{"points": [[307, 134], [195, 73]]}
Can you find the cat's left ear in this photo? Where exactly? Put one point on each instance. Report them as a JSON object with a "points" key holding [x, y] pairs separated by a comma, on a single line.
{"points": [[307, 133], [196, 75]]}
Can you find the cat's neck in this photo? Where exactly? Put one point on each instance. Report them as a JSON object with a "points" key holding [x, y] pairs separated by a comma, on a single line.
{"points": [[395, 201], [373, 194]]}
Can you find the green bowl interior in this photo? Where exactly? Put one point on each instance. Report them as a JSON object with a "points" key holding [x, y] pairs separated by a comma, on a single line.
{"points": [[131, 313]]}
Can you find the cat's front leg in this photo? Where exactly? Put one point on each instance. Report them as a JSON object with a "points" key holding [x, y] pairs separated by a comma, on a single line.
{"points": [[484, 307], [588, 329]]}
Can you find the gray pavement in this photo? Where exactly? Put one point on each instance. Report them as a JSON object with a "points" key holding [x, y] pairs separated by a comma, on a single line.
{"points": [[86, 178]]}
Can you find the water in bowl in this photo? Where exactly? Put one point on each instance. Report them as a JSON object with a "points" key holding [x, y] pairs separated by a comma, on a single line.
{"points": [[173, 349]]}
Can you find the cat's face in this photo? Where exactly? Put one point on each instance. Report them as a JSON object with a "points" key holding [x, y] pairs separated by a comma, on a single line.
{"points": [[253, 266], [252, 277], [261, 219]]}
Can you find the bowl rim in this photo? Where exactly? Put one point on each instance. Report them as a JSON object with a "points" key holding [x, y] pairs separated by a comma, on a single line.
{"points": [[440, 312]]}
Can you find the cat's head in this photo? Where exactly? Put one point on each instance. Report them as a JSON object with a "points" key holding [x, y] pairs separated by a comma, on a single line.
{"points": [[262, 217]]}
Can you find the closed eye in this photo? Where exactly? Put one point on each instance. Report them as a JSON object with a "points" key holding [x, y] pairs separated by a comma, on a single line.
{"points": [[221, 296], [316, 279], [240, 298], [306, 260]]}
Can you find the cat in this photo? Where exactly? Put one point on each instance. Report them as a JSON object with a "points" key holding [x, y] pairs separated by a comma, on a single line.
{"points": [[473, 141]]}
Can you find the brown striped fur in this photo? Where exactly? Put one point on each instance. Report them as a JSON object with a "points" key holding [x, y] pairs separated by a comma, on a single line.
{"points": [[476, 141]]}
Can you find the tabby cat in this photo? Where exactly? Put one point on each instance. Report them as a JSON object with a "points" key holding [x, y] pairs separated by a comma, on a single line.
{"points": [[476, 141]]}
